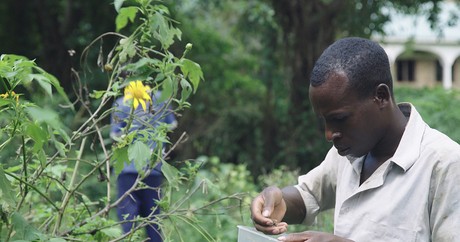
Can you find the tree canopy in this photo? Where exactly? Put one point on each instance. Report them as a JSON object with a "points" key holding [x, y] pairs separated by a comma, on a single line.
{"points": [[256, 56]]}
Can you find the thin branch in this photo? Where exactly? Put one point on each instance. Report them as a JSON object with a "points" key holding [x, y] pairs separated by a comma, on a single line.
{"points": [[34, 188], [69, 193]]}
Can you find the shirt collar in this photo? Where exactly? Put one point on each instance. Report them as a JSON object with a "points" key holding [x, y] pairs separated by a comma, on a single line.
{"points": [[410, 144]]}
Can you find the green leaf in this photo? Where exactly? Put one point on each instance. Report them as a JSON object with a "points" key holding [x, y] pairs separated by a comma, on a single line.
{"points": [[4, 102], [7, 200], [15, 69], [143, 62], [60, 148], [186, 89], [44, 79], [159, 77], [112, 232], [61, 132], [128, 49], [125, 14], [22, 230], [162, 9], [56, 170], [57, 240], [118, 4], [163, 203], [42, 157], [37, 134], [172, 174], [97, 94], [43, 82], [43, 115], [119, 157], [167, 90], [163, 31], [193, 71], [142, 69], [139, 153]]}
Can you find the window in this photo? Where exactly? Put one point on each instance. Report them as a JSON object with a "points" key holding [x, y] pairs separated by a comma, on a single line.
{"points": [[405, 70], [438, 71]]}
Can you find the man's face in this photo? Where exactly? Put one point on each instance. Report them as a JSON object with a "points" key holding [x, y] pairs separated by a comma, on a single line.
{"points": [[352, 124]]}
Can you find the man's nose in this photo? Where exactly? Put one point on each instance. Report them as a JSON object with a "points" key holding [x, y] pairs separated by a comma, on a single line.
{"points": [[331, 135]]}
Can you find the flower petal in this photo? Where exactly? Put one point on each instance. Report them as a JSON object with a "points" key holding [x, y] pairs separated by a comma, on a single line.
{"points": [[146, 96], [143, 105], [127, 97]]}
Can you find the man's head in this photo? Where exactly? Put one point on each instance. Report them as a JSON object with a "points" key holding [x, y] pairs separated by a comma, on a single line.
{"points": [[351, 92], [363, 62]]}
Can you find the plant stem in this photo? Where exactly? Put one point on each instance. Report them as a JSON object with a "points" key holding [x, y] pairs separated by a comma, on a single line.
{"points": [[71, 189], [34, 188], [24, 165]]}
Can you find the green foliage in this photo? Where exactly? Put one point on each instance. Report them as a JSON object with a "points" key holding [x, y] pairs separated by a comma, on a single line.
{"points": [[215, 198], [56, 182], [241, 114], [8, 200], [46, 183], [125, 15], [439, 107], [257, 56], [32, 134], [227, 190]]}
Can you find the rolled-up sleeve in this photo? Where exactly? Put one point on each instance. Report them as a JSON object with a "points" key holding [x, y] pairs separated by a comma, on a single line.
{"points": [[318, 187]]}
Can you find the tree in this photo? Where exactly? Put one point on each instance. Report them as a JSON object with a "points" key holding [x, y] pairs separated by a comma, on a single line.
{"points": [[271, 47], [54, 32], [48, 165], [309, 26]]}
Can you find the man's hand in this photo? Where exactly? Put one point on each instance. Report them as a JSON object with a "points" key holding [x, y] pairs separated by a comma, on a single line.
{"points": [[267, 211], [312, 236]]}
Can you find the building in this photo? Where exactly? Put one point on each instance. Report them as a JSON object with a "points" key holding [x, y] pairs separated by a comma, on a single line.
{"points": [[422, 56]]}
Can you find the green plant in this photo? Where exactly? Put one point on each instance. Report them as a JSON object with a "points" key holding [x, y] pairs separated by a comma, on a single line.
{"points": [[43, 184], [214, 201], [439, 107]]}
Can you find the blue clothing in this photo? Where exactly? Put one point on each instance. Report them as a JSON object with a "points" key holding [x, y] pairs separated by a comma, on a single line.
{"points": [[140, 202], [155, 114]]}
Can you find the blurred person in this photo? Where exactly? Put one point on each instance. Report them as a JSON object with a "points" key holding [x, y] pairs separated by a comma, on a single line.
{"points": [[147, 116], [389, 176]]}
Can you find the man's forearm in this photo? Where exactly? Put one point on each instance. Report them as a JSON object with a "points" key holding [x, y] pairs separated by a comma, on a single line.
{"points": [[296, 210]]}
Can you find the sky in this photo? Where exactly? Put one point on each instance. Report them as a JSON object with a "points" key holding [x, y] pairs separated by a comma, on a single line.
{"points": [[403, 27]]}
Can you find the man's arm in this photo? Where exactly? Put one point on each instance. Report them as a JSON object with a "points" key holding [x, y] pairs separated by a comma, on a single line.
{"points": [[295, 207]]}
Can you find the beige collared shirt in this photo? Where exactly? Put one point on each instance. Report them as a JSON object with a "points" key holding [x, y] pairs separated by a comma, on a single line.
{"points": [[414, 196]]}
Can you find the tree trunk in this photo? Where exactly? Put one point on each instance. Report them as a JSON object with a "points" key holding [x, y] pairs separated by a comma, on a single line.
{"points": [[308, 27], [56, 59]]}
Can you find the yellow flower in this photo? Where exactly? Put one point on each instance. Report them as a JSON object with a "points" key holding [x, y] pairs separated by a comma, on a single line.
{"points": [[13, 94], [139, 93]]}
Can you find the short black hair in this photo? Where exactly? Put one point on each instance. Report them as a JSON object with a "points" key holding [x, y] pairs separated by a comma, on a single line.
{"points": [[363, 61]]}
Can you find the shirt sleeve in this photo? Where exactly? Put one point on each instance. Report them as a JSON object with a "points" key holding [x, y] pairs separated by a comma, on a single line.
{"points": [[171, 119], [318, 187], [118, 117], [445, 200]]}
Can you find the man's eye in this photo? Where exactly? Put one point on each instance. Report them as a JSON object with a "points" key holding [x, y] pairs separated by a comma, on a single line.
{"points": [[339, 119]]}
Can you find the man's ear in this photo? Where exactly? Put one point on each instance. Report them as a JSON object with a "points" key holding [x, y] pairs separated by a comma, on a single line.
{"points": [[382, 95]]}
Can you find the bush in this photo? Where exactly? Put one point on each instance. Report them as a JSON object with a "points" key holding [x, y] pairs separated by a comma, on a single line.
{"points": [[438, 107], [51, 164]]}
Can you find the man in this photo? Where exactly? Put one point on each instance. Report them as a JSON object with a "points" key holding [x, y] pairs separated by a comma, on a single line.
{"points": [[140, 202], [389, 176]]}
